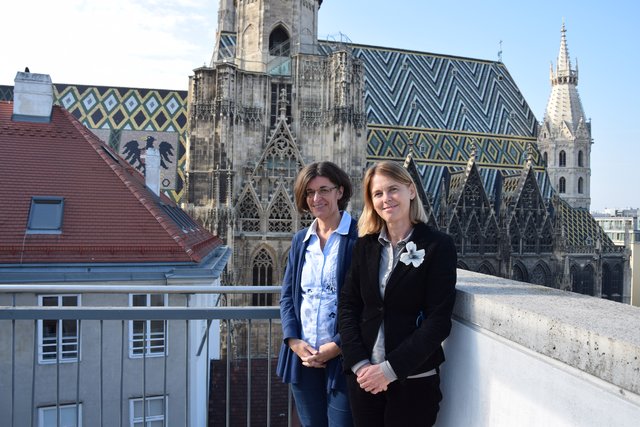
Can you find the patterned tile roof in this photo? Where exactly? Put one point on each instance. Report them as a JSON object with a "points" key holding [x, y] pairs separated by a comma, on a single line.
{"points": [[109, 214], [580, 229]]}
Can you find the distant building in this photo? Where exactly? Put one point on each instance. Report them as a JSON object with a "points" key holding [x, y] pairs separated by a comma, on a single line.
{"points": [[623, 228], [75, 213]]}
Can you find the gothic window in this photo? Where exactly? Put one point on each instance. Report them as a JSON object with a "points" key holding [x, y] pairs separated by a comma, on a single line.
{"points": [[530, 236], [280, 219], [249, 215], [606, 281], [616, 283], [276, 88], [562, 185], [546, 238], [580, 186], [461, 265], [583, 280], [280, 160], [279, 43], [514, 236], [580, 162], [491, 237], [455, 232], [562, 160], [473, 193], [262, 276], [545, 158], [487, 268], [472, 237], [519, 273], [539, 276], [306, 219]]}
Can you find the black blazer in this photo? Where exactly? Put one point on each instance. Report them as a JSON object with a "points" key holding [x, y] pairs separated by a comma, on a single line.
{"points": [[416, 309]]}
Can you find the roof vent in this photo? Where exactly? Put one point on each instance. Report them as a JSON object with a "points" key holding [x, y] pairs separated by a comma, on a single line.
{"points": [[32, 97]]}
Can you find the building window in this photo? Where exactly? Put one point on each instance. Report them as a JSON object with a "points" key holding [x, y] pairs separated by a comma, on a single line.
{"points": [[580, 158], [63, 415], [58, 339], [279, 44], [45, 215], [262, 276], [580, 186], [148, 412], [147, 337], [562, 160], [562, 185], [545, 158], [276, 92]]}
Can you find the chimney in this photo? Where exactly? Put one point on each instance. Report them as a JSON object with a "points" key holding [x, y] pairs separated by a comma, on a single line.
{"points": [[152, 170], [32, 97]]}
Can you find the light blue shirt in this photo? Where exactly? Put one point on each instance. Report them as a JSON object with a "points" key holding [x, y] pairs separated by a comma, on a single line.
{"points": [[319, 283]]}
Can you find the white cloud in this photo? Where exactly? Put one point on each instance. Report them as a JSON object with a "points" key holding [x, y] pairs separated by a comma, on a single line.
{"points": [[121, 42]]}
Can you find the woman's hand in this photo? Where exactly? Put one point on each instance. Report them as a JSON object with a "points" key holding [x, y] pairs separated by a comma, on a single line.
{"points": [[372, 379], [325, 353], [302, 348]]}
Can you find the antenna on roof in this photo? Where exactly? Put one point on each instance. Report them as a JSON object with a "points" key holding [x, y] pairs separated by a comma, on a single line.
{"points": [[500, 52]]}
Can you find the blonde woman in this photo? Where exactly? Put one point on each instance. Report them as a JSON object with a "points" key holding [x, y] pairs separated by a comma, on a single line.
{"points": [[396, 304]]}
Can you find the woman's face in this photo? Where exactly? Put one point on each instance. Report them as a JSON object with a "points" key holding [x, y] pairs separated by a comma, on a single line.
{"points": [[391, 198], [322, 198]]}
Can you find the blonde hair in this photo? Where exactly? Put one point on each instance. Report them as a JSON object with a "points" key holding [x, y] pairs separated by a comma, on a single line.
{"points": [[370, 222]]}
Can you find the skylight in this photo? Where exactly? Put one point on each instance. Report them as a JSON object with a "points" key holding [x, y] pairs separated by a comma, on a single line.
{"points": [[45, 215]]}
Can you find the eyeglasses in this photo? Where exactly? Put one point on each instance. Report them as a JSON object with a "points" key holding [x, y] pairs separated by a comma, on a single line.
{"points": [[322, 192]]}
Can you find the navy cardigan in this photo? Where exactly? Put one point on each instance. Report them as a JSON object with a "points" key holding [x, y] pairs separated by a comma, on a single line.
{"points": [[289, 363]]}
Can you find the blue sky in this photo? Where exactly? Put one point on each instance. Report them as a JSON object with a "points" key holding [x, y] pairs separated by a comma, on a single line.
{"points": [[156, 44]]}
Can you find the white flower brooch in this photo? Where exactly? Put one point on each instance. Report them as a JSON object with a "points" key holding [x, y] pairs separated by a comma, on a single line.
{"points": [[412, 256]]}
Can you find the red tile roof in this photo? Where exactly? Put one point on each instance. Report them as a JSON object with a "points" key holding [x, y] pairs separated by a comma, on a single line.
{"points": [[109, 214]]}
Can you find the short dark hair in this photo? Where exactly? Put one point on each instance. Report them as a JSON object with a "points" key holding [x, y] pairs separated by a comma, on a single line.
{"points": [[329, 170]]}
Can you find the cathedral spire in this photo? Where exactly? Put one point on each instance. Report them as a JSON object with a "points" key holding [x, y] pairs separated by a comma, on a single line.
{"points": [[564, 138], [563, 66], [564, 108]]}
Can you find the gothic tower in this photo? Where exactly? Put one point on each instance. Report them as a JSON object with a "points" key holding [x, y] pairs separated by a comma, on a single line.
{"points": [[270, 101], [564, 137]]}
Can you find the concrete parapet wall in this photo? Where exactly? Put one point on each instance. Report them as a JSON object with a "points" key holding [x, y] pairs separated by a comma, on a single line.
{"points": [[521, 354]]}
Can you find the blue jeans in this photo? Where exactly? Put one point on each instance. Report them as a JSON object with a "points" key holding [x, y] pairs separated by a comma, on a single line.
{"points": [[316, 407]]}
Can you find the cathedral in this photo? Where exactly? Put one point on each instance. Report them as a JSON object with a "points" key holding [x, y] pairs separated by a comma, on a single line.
{"points": [[511, 190]]}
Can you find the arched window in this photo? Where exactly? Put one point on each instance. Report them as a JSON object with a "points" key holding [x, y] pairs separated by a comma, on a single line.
{"points": [[279, 44], [545, 158], [580, 185], [583, 280], [562, 159], [539, 275], [262, 276], [580, 158], [280, 218], [562, 185]]}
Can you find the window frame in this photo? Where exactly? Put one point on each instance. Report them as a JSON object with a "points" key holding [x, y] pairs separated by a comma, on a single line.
{"points": [[148, 330], [146, 419], [77, 414], [34, 217], [562, 185], [60, 326]]}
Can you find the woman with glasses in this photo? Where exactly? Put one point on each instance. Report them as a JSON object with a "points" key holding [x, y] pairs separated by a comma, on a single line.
{"points": [[395, 308], [319, 258]]}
